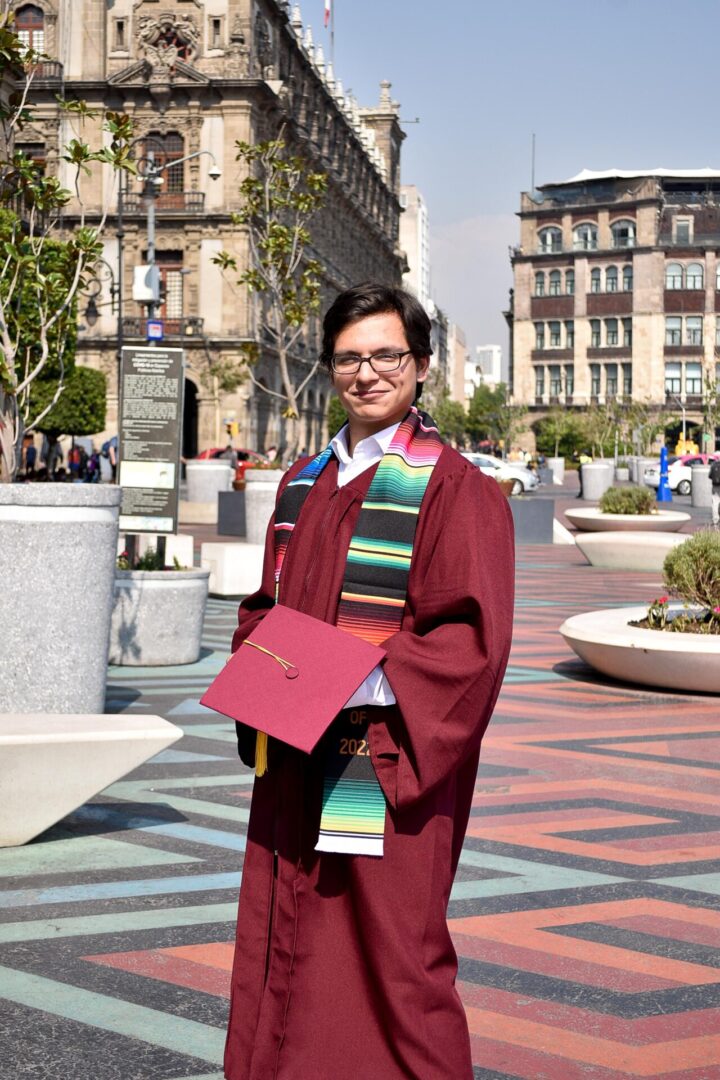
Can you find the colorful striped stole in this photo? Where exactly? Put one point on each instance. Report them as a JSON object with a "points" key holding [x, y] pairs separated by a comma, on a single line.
{"points": [[371, 606]]}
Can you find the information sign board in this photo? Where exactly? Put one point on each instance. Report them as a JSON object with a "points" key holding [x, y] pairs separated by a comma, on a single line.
{"points": [[151, 398]]}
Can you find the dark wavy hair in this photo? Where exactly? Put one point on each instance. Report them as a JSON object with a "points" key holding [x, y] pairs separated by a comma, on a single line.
{"points": [[371, 298]]}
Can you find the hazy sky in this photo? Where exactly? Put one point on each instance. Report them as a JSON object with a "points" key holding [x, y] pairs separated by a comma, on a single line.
{"points": [[612, 83]]}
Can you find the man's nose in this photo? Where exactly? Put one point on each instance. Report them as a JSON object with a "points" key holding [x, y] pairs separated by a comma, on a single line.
{"points": [[366, 373]]}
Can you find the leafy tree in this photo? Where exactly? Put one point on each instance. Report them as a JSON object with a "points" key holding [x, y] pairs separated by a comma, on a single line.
{"points": [[40, 276], [711, 412], [81, 408], [559, 434], [280, 195], [492, 416], [336, 415], [449, 415]]}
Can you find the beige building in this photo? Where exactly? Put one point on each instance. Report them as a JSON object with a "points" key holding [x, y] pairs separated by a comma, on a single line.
{"points": [[617, 290], [196, 76]]}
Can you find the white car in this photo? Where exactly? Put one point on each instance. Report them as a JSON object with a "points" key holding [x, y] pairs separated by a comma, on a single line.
{"points": [[679, 472], [523, 479]]}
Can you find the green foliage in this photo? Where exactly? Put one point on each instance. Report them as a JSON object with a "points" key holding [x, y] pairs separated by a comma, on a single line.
{"points": [[336, 415], [80, 409], [560, 433], [627, 500], [491, 416], [692, 570], [150, 560], [450, 418]]}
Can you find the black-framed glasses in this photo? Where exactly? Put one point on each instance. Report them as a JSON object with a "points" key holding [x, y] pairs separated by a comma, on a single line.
{"points": [[381, 362]]}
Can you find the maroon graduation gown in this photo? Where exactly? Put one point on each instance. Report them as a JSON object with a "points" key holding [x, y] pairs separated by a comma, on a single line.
{"points": [[344, 967]]}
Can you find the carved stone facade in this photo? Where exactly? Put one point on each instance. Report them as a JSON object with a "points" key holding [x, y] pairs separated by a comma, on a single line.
{"points": [[196, 76]]}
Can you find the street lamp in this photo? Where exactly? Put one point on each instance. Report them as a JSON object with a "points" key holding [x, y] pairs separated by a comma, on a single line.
{"points": [[682, 410], [94, 289]]}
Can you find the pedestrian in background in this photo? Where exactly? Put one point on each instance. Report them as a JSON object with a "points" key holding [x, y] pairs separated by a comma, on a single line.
{"points": [[715, 492]]}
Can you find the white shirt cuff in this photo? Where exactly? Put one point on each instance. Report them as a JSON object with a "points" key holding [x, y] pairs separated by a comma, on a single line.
{"points": [[375, 690]]}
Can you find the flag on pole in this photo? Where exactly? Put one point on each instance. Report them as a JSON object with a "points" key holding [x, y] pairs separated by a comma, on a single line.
{"points": [[328, 10]]}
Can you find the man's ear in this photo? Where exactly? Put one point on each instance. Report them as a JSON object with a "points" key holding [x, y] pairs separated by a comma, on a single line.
{"points": [[422, 363]]}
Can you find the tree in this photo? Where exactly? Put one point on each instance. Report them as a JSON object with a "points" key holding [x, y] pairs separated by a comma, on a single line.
{"points": [[81, 408], [492, 416], [711, 412], [559, 434], [280, 195], [336, 415], [449, 415], [41, 276]]}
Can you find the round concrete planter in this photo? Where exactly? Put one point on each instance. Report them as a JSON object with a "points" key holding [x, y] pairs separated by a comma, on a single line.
{"points": [[57, 566], [622, 475], [158, 617], [597, 477], [628, 550], [205, 478], [260, 493], [603, 639], [593, 520], [557, 467]]}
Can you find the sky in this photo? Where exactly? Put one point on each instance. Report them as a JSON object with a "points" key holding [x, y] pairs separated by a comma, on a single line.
{"points": [[629, 84]]}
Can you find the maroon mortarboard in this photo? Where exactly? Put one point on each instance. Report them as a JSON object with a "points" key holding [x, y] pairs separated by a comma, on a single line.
{"points": [[292, 677]]}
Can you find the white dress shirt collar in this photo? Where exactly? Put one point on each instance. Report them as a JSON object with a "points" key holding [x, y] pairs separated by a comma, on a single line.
{"points": [[367, 452]]}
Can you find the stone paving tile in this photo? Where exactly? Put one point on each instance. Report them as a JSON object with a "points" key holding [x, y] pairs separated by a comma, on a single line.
{"points": [[586, 909]]}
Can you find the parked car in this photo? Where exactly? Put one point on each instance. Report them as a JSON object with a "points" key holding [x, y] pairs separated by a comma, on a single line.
{"points": [[679, 471], [523, 479]]}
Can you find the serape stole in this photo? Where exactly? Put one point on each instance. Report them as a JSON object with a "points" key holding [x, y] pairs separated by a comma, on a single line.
{"points": [[371, 606]]}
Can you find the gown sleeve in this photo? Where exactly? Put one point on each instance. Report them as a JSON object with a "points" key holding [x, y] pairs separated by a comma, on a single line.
{"points": [[446, 664]]}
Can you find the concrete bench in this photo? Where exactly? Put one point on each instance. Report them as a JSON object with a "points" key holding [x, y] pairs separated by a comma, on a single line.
{"points": [[52, 763], [235, 569]]}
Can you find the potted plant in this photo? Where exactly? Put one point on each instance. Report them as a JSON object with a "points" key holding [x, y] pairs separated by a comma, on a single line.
{"points": [[630, 508], [674, 644], [54, 538], [158, 612]]}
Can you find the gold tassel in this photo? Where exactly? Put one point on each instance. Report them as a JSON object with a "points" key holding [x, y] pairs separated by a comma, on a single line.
{"points": [[261, 757]]}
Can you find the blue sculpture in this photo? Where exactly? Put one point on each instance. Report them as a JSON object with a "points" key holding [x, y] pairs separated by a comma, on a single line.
{"points": [[664, 494]]}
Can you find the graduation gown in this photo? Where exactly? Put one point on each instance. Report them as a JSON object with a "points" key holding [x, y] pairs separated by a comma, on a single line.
{"points": [[344, 967]]}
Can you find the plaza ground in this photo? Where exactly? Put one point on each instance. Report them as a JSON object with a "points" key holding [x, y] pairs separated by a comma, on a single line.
{"points": [[585, 910]]}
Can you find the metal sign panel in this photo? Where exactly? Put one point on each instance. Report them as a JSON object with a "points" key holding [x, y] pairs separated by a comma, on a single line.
{"points": [[155, 330], [151, 397]]}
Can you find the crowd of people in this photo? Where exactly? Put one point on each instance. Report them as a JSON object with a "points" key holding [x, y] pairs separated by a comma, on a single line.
{"points": [[78, 465]]}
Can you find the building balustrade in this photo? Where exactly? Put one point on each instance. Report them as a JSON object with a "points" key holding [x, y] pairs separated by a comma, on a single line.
{"points": [[169, 202], [185, 326], [47, 71]]}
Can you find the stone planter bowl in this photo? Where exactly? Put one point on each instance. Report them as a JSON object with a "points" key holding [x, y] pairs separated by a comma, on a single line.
{"points": [[593, 520], [603, 639], [628, 550], [158, 617]]}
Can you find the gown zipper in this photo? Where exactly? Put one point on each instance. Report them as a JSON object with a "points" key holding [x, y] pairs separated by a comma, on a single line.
{"points": [[271, 916]]}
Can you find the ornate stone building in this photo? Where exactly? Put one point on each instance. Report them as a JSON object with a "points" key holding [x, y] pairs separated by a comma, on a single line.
{"points": [[198, 75], [617, 290]]}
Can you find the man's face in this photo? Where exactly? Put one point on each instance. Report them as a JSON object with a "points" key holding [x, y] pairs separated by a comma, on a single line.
{"points": [[375, 401]]}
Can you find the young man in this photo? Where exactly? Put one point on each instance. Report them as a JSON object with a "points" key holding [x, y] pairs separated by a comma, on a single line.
{"points": [[344, 967]]}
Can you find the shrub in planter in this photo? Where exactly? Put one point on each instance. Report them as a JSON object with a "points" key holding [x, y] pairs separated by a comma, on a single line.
{"points": [[692, 573], [630, 500]]}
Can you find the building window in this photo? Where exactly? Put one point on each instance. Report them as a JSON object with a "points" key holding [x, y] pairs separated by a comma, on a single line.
{"points": [[570, 282], [170, 264], [595, 280], [595, 380], [216, 41], [539, 335], [585, 237], [540, 283], [673, 276], [627, 380], [683, 230], [717, 276], [672, 378], [555, 282], [611, 380], [694, 276], [30, 27], [693, 379], [167, 149], [550, 240], [627, 278], [555, 381], [594, 333], [611, 331], [673, 330], [570, 334], [555, 339], [694, 330], [717, 332], [120, 35], [569, 381], [611, 279], [623, 234], [627, 333], [539, 382]]}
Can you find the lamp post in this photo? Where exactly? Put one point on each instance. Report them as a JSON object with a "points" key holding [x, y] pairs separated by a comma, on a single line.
{"points": [[682, 410]]}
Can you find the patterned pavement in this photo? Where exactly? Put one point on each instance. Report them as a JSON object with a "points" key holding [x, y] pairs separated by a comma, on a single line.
{"points": [[585, 911]]}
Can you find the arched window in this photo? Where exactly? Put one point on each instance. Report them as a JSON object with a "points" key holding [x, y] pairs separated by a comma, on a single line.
{"points": [[585, 237], [627, 278], [673, 276], [694, 276], [550, 239], [623, 234], [540, 283], [570, 282], [595, 279], [30, 27], [555, 282], [611, 279]]}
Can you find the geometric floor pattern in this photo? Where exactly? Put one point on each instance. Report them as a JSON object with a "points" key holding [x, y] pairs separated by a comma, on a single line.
{"points": [[586, 909]]}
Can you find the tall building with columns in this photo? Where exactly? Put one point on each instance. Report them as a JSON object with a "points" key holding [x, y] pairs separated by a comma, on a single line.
{"points": [[197, 76], [617, 290]]}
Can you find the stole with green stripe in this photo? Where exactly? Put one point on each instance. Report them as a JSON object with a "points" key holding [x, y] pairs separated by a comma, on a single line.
{"points": [[371, 606]]}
